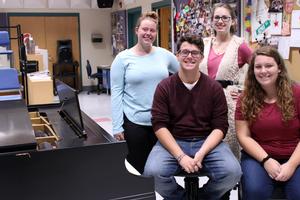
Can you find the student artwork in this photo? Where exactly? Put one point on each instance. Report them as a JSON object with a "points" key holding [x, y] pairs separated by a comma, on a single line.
{"points": [[287, 17], [248, 16], [276, 6], [260, 22], [192, 17], [119, 31], [276, 23]]}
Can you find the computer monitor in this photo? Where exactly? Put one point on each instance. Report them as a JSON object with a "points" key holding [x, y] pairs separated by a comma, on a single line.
{"points": [[70, 107]]}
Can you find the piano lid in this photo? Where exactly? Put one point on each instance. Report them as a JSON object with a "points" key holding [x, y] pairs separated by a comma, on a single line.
{"points": [[16, 132]]}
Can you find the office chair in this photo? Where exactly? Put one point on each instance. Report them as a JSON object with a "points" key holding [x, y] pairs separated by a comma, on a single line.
{"points": [[10, 88], [97, 75], [5, 42]]}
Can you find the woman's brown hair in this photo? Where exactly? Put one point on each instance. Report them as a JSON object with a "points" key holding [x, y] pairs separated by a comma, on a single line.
{"points": [[148, 15], [253, 96]]}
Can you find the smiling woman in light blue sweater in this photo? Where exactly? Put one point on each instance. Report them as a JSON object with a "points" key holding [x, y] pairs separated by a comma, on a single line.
{"points": [[135, 73]]}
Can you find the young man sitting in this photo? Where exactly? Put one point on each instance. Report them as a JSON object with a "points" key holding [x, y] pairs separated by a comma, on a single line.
{"points": [[189, 117]]}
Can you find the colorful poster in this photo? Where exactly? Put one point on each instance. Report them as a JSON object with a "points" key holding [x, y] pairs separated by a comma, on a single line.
{"points": [[276, 23], [260, 21], [191, 17], [119, 31], [287, 17], [276, 6]]}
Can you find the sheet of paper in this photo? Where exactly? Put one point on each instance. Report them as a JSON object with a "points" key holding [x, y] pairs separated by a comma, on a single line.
{"points": [[259, 20], [276, 23], [296, 19], [284, 47], [295, 39]]}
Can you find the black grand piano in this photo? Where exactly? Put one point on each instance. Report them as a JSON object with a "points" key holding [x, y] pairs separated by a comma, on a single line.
{"points": [[83, 166]]}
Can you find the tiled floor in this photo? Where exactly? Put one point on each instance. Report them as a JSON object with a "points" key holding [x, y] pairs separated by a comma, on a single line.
{"points": [[98, 107]]}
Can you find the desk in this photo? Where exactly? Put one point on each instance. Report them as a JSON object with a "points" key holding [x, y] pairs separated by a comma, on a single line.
{"points": [[105, 70]]}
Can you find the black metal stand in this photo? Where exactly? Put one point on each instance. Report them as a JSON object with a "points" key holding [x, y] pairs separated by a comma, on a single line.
{"points": [[22, 57]]}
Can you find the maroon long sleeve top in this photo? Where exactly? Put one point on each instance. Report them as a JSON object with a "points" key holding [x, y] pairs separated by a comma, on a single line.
{"points": [[188, 113]]}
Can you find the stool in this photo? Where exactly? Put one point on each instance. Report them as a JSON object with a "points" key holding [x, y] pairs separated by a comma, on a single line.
{"points": [[191, 183]]}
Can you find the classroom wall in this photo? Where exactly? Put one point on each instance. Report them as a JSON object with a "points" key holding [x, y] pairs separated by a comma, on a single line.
{"points": [[144, 4], [293, 64]]}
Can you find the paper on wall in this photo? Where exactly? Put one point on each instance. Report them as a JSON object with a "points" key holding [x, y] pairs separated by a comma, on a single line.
{"points": [[295, 39], [296, 19], [260, 21], [276, 23], [284, 47]]}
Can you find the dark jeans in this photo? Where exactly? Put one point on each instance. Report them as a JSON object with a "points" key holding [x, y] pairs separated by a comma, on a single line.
{"points": [[140, 140], [257, 184]]}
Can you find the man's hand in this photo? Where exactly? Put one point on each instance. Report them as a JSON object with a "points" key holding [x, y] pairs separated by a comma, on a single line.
{"points": [[188, 164], [199, 158], [119, 136]]}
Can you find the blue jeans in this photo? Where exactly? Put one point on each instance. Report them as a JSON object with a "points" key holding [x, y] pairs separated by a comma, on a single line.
{"points": [[257, 184], [222, 167]]}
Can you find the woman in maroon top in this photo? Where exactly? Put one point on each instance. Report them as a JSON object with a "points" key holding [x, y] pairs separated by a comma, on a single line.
{"points": [[267, 122]]}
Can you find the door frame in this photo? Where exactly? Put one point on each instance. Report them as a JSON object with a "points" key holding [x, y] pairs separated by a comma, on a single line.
{"points": [[132, 17], [162, 4]]}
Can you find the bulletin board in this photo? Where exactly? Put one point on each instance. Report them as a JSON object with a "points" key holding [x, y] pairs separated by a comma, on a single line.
{"points": [[119, 31], [276, 23], [194, 16]]}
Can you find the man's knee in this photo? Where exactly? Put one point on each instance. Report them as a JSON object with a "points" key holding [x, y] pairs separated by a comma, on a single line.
{"points": [[234, 170]]}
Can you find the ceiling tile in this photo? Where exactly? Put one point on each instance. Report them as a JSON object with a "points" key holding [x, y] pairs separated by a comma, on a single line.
{"points": [[59, 4], [35, 4], [11, 4], [81, 3]]}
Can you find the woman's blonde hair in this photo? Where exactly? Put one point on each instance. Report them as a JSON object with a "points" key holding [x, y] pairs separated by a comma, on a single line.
{"points": [[148, 15], [253, 96]]}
